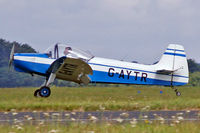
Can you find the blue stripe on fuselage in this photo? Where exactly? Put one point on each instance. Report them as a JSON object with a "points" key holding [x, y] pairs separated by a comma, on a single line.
{"points": [[31, 67], [102, 77], [32, 55]]}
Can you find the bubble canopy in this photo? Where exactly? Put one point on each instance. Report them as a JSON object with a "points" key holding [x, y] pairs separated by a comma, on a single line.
{"points": [[60, 50]]}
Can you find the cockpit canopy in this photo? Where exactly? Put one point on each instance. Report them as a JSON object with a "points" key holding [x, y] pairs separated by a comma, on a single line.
{"points": [[60, 50]]}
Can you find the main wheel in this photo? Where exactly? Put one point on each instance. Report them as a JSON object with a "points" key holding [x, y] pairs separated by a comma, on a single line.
{"points": [[36, 93], [178, 93], [45, 91]]}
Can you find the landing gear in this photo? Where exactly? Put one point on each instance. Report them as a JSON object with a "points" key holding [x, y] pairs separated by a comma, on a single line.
{"points": [[176, 91], [36, 93], [44, 91]]}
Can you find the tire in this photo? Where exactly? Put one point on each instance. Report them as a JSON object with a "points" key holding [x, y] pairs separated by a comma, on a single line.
{"points": [[36, 93], [45, 91], [178, 93]]}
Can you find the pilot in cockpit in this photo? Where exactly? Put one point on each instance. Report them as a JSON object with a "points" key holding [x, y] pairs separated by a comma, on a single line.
{"points": [[67, 50]]}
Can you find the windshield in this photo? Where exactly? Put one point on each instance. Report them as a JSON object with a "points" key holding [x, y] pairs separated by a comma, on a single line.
{"points": [[60, 50]]}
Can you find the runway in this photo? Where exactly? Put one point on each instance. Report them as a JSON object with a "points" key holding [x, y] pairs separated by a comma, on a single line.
{"points": [[100, 116]]}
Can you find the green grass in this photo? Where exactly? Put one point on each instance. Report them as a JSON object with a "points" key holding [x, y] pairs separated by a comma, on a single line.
{"points": [[94, 98], [103, 128]]}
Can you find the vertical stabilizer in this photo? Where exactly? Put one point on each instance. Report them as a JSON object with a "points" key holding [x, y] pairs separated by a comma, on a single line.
{"points": [[174, 61]]}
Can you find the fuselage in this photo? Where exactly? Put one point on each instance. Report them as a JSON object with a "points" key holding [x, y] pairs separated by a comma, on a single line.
{"points": [[104, 70]]}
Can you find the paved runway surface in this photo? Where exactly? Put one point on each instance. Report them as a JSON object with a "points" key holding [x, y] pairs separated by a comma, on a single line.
{"points": [[118, 116]]}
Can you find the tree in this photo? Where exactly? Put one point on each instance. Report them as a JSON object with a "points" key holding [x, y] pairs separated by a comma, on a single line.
{"points": [[193, 66]]}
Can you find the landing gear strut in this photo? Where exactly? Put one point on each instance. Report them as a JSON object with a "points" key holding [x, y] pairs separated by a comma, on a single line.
{"points": [[45, 91], [176, 91]]}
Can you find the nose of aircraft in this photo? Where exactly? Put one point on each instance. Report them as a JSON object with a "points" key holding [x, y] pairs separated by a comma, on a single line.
{"points": [[19, 63]]}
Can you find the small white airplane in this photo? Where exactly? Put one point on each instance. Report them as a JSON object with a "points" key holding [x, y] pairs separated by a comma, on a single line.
{"points": [[71, 64]]}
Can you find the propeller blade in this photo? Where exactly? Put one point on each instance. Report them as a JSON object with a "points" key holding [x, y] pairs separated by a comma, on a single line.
{"points": [[11, 56]]}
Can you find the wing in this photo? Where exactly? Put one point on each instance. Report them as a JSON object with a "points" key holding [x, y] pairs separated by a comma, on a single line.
{"points": [[71, 69], [74, 70]]}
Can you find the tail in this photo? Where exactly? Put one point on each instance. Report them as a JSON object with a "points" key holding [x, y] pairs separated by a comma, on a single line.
{"points": [[174, 63]]}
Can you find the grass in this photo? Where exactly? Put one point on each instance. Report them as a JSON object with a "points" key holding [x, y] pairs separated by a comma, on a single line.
{"points": [[96, 98], [103, 128]]}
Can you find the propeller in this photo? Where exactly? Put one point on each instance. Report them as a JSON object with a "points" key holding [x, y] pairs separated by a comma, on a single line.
{"points": [[11, 56]]}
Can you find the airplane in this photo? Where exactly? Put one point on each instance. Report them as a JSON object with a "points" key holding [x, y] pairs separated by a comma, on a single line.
{"points": [[68, 63]]}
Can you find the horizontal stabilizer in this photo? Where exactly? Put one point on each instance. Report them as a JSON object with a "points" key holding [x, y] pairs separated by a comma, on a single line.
{"points": [[165, 72]]}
